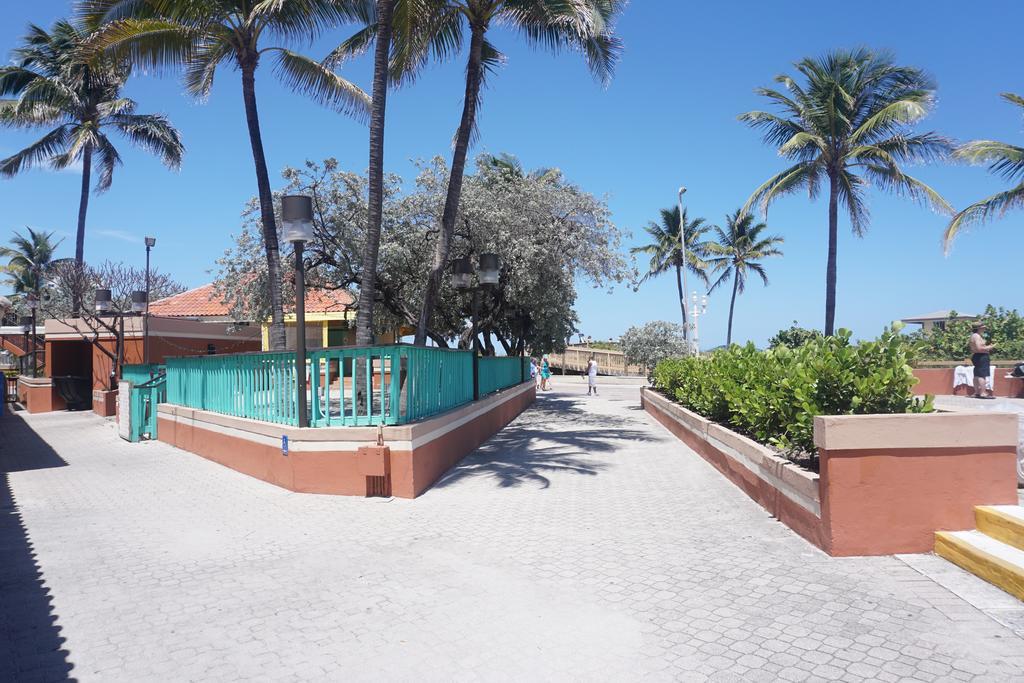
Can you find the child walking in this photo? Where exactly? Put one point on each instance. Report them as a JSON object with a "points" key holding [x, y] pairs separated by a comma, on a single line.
{"points": [[592, 375]]}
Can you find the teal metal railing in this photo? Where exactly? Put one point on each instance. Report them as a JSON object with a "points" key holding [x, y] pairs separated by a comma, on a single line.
{"points": [[141, 372], [501, 372], [143, 402], [260, 386], [348, 386], [386, 385]]}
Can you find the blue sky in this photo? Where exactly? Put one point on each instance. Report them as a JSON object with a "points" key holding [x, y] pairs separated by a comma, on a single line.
{"points": [[669, 118]]}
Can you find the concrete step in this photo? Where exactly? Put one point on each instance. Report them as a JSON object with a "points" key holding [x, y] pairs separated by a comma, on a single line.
{"points": [[998, 563], [1002, 522]]}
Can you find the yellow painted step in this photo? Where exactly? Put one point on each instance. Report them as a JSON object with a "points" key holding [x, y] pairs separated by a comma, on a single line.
{"points": [[1000, 564], [1002, 522]]}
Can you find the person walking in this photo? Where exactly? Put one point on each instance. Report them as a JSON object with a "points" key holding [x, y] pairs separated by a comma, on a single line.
{"points": [[534, 372], [545, 374], [592, 375], [980, 358]]}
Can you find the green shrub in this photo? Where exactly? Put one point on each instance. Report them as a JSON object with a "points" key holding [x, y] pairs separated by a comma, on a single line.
{"points": [[794, 336], [774, 395], [1005, 329]]}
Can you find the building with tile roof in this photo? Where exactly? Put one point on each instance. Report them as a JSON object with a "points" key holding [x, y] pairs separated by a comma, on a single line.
{"points": [[330, 314]]}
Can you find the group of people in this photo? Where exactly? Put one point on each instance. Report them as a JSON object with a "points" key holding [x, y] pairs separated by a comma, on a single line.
{"points": [[541, 374]]}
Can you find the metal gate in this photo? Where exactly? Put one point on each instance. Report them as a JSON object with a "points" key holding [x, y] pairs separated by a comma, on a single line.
{"points": [[144, 399]]}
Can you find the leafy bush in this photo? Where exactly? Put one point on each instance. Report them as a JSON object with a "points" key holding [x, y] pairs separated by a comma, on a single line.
{"points": [[793, 337], [773, 396], [652, 343], [1005, 328]]}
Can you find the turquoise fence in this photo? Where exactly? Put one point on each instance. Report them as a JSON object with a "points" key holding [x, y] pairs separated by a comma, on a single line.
{"points": [[349, 386], [260, 386], [500, 372], [141, 373], [145, 397]]}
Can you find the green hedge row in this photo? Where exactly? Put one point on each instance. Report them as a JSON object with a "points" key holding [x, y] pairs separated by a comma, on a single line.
{"points": [[772, 396]]}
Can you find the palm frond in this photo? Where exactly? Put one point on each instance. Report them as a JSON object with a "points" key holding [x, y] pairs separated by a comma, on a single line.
{"points": [[782, 183], [981, 211], [43, 150], [1002, 158], [319, 83], [152, 133], [108, 160]]}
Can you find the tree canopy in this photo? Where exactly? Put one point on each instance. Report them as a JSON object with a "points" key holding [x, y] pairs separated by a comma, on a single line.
{"points": [[549, 234]]}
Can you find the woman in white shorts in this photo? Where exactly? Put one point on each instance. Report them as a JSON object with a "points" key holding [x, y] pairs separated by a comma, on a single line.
{"points": [[592, 375]]}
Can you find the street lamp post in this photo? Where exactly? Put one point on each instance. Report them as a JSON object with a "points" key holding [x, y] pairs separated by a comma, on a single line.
{"points": [[32, 301], [695, 312], [26, 326], [682, 266], [150, 243], [297, 220], [104, 306], [487, 276]]}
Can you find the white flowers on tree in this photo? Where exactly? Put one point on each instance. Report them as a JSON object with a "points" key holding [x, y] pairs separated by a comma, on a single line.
{"points": [[649, 344], [547, 232]]}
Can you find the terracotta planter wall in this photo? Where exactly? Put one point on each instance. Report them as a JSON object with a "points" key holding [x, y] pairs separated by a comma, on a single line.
{"points": [[887, 482]]}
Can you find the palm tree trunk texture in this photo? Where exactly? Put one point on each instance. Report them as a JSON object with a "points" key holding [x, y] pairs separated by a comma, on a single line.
{"points": [[732, 306], [682, 297], [83, 209], [270, 241], [830, 268], [368, 283], [474, 76]]}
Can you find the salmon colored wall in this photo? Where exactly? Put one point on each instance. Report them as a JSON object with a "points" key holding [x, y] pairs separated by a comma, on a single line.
{"points": [[797, 518], [939, 381], [914, 475], [415, 472], [340, 472], [104, 403], [885, 501], [39, 398], [72, 356]]}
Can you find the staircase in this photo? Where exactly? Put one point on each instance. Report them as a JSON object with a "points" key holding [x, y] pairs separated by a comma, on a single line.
{"points": [[994, 551]]}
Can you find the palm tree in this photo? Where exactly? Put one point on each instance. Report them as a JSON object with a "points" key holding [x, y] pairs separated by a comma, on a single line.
{"points": [[28, 258], [666, 253], [848, 124], [204, 34], [1003, 159], [375, 207], [738, 251], [51, 85], [584, 25], [510, 168]]}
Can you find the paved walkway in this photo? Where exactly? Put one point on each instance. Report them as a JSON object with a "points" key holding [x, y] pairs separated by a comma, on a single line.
{"points": [[584, 542]]}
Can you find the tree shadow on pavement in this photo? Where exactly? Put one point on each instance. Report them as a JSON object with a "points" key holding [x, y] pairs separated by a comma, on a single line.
{"points": [[31, 647], [555, 436]]}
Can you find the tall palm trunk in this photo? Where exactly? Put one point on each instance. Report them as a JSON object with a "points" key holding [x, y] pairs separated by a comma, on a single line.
{"points": [[682, 294], [368, 283], [83, 209], [732, 306], [830, 268], [270, 243], [474, 76]]}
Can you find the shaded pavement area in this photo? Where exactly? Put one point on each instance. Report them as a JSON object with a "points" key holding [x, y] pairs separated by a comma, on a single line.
{"points": [[582, 542]]}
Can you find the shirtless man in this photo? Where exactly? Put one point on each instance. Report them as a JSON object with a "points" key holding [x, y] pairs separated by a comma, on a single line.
{"points": [[980, 359]]}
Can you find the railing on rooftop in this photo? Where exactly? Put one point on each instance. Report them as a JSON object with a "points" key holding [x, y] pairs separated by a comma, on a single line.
{"points": [[348, 386]]}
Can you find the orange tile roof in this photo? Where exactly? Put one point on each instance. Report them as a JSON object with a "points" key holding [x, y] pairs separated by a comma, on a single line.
{"points": [[205, 302]]}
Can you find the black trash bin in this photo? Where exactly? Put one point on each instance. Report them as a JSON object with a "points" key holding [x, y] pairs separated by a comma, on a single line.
{"points": [[76, 391]]}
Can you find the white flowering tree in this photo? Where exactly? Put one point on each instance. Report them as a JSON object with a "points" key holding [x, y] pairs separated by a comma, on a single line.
{"points": [[548, 233], [647, 345]]}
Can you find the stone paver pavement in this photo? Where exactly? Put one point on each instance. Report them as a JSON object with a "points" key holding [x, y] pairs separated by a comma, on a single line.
{"points": [[583, 542]]}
